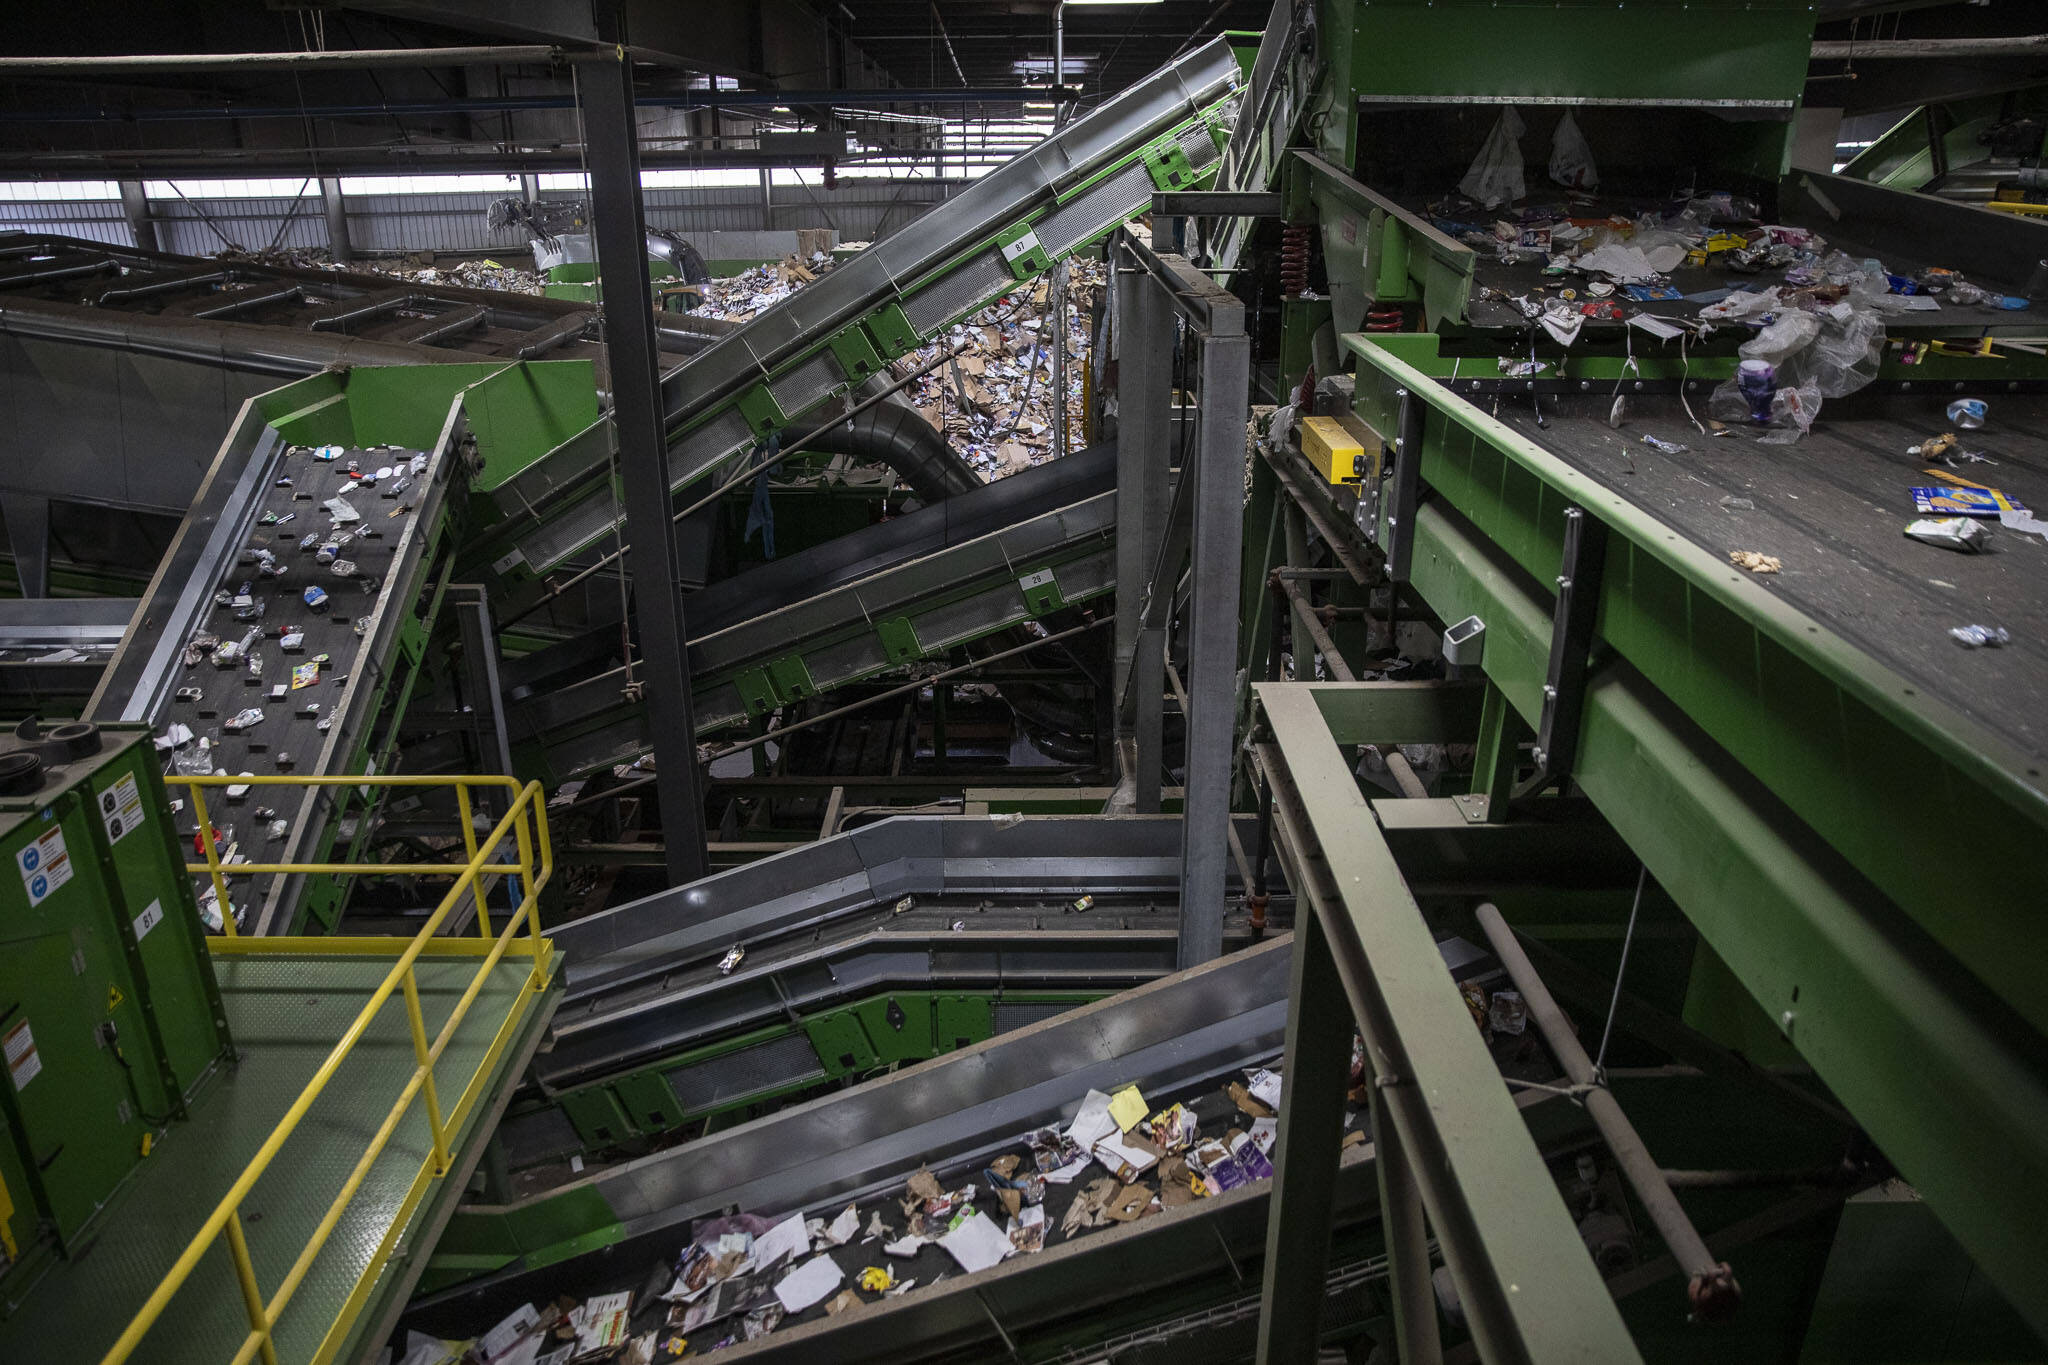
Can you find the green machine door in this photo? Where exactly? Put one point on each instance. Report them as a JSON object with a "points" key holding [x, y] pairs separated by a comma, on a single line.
{"points": [[74, 1121]]}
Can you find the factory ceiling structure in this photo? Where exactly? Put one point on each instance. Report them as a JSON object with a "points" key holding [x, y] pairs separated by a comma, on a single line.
{"points": [[1051, 681]]}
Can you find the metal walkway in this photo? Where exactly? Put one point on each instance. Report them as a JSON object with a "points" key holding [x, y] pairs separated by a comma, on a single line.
{"points": [[285, 1011]]}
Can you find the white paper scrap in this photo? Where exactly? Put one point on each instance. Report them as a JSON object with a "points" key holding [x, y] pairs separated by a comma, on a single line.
{"points": [[977, 1243], [1114, 1153], [785, 1239], [809, 1283], [1092, 1121], [509, 1332], [1264, 1086], [841, 1229], [2024, 522]]}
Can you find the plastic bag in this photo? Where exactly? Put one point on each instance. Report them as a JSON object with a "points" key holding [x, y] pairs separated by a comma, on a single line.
{"points": [[1571, 159], [1743, 303], [1846, 353], [1791, 333], [1793, 408], [1496, 175]]}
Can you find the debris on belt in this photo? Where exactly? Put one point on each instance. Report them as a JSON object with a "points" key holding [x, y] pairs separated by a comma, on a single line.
{"points": [[1951, 533], [1981, 637], [1755, 561]]}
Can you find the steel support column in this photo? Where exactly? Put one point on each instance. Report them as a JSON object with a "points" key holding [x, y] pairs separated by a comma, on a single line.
{"points": [[1143, 466], [1405, 1231], [606, 90], [1218, 548], [1305, 1152], [135, 206], [337, 219]]}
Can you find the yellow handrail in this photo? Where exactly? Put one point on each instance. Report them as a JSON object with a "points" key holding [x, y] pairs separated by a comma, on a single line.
{"points": [[526, 821]]}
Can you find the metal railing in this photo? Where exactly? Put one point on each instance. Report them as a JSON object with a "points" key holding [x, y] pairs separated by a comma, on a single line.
{"points": [[525, 821]]}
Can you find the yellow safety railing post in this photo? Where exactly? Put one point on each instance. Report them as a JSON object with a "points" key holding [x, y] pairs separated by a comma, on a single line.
{"points": [[483, 914], [419, 1051], [252, 1297], [220, 883], [529, 894]]}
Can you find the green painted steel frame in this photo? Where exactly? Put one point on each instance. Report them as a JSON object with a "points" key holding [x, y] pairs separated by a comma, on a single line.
{"points": [[1796, 798], [1503, 1227]]}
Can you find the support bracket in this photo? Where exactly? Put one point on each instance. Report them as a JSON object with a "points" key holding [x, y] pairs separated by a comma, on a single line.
{"points": [[1571, 640]]}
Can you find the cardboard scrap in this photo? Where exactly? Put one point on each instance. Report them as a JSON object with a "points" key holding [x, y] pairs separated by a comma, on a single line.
{"points": [[1130, 1203], [1242, 1098]]}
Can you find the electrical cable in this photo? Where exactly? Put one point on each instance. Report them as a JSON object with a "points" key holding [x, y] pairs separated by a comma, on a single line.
{"points": [[1620, 970]]}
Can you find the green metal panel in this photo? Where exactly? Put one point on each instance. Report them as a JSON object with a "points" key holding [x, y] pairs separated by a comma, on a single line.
{"points": [[1169, 166], [1651, 50], [650, 1102], [1866, 997], [74, 1114], [755, 690], [154, 913], [961, 1020], [855, 353], [1844, 742], [519, 413], [1019, 247], [843, 1044], [600, 1120], [899, 638], [892, 332], [791, 678], [1041, 589], [761, 410]]}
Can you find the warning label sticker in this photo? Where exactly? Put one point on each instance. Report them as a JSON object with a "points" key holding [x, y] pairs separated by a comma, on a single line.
{"points": [[24, 1063], [45, 865], [121, 808]]}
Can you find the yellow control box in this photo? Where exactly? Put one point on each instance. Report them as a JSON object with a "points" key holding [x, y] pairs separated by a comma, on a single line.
{"points": [[1332, 449]]}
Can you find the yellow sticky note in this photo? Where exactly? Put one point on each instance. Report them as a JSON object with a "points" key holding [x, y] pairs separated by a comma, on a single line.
{"points": [[1127, 1106]]}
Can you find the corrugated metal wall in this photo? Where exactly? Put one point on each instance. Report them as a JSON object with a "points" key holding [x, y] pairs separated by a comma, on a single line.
{"points": [[98, 220], [861, 209]]}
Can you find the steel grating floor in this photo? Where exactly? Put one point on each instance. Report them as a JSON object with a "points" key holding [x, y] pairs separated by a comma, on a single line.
{"points": [[285, 1011]]}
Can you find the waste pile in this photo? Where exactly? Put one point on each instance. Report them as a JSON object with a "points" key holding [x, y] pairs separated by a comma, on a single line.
{"points": [[483, 273], [990, 392], [1684, 268], [1120, 1159]]}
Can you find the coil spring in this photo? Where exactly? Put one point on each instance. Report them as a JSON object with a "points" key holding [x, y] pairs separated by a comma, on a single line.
{"points": [[1295, 239]]}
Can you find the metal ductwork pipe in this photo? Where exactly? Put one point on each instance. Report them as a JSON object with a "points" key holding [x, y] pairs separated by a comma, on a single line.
{"points": [[896, 434]]}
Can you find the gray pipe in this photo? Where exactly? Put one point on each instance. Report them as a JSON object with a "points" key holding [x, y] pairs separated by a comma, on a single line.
{"points": [[66, 267], [157, 284], [555, 334], [1713, 1290], [241, 303]]}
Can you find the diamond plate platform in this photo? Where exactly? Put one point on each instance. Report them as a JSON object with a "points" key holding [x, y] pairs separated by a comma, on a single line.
{"points": [[286, 1012]]}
